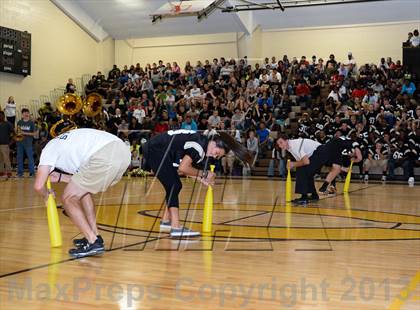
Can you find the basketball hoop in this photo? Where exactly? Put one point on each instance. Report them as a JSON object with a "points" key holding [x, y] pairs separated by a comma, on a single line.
{"points": [[180, 8], [176, 8]]}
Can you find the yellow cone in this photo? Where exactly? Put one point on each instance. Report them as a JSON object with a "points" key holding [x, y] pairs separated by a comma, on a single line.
{"points": [[53, 222], [288, 183], [348, 179], [208, 208]]}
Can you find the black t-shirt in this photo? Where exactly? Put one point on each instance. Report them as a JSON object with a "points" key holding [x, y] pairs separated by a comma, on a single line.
{"points": [[371, 117], [397, 151], [340, 148], [323, 140], [6, 129], [225, 113], [375, 156], [111, 110], [363, 144], [174, 145], [304, 126], [320, 124], [334, 126], [70, 88], [204, 114], [113, 124]]}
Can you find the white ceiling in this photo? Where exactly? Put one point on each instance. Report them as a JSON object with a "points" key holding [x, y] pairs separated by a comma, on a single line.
{"points": [[124, 19]]}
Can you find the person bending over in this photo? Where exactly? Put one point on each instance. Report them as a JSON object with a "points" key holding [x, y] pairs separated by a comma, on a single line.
{"points": [[185, 152], [92, 161]]}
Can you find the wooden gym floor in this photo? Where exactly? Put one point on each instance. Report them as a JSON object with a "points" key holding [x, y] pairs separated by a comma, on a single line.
{"points": [[360, 251]]}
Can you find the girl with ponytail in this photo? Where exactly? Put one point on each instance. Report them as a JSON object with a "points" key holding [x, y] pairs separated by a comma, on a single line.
{"points": [[185, 152]]}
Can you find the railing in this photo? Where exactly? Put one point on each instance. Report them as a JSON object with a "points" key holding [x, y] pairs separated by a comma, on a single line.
{"points": [[35, 104]]}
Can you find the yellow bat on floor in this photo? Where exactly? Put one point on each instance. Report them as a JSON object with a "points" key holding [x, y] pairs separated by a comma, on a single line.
{"points": [[288, 183], [208, 208], [348, 179], [53, 221]]}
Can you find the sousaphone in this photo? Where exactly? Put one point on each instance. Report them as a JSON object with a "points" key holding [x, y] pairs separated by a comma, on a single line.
{"points": [[92, 105], [68, 104]]}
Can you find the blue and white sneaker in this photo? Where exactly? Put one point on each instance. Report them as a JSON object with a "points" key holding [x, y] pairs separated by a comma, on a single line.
{"points": [[183, 232], [165, 226]]}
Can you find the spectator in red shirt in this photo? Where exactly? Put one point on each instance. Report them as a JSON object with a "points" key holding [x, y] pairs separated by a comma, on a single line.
{"points": [[162, 125], [303, 93], [359, 92], [302, 89], [335, 77], [303, 61]]}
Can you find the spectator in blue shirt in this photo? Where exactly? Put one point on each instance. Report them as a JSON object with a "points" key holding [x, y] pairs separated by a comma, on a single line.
{"points": [[265, 99], [408, 88], [26, 127], [189, 123], [124, 78], [263, 133]]}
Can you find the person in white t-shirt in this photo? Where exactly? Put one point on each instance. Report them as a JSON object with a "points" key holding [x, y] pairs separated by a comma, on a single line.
{"points": [[90, 161], [415, 39], [195, 91], [275, 76], [10, 110], [350, 63], [215, 120], [139, 114]]}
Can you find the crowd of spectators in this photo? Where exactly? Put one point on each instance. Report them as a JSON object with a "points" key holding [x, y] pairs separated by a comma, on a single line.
{"points": [[376, 104]]}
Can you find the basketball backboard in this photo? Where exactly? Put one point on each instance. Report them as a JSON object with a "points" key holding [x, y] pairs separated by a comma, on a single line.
{"points": [[185, 8]]}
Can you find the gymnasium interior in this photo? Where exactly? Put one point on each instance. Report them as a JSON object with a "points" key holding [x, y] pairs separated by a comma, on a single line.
{"points": [[257, 69]]}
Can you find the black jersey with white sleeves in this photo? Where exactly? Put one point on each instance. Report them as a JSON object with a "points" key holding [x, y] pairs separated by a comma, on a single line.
{"points": [[175, 144]]}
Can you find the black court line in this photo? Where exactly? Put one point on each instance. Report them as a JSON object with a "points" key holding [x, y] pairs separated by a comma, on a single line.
{"points": [[256, 239], [279, 179], [322, 221], [350, 192], [271, 249], [150, 231], [325, 233], [144, 213], [270, 227], [124, 233], [119, 212], [272, 212], [330, 248], [314, 250], [396, 225], [158, 238], [242, 218], [72, 259], [248, 239], [335, 240], [223, 190]]}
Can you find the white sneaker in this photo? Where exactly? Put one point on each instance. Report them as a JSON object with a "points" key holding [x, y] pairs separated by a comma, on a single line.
{"points": [[383, 178], [366, 178], [165, 226], [183, 232], [411, 181], [332, 190]]}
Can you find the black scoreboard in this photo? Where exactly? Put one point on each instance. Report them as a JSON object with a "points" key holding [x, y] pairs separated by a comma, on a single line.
{"points": [[15, 50], [411, 60]]}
